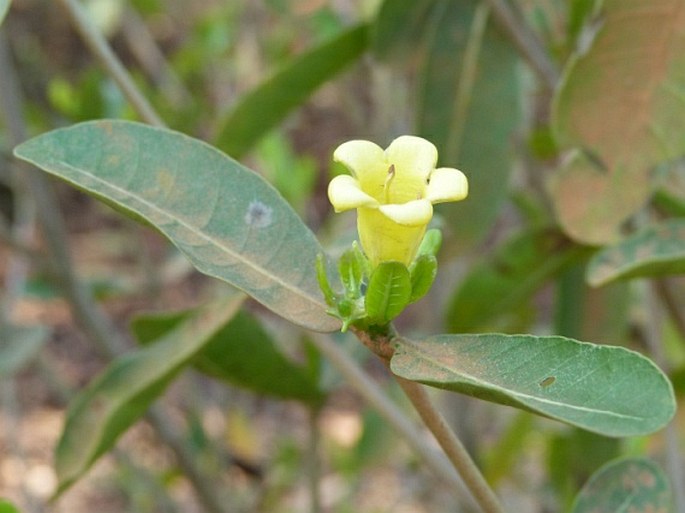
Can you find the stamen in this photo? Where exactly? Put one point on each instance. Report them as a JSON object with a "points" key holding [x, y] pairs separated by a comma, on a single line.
{"points": [[388, 181]]}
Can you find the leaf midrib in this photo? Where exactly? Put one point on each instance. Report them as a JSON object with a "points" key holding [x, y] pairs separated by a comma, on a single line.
{"points": [[516, 394], [210, 240]]}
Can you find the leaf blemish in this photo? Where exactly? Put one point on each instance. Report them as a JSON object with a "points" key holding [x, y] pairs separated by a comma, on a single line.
{"points": [[547, 381], [258, 215]]}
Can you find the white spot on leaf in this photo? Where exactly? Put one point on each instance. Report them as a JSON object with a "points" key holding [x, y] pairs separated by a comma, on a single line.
{"points": [[258, 215]]}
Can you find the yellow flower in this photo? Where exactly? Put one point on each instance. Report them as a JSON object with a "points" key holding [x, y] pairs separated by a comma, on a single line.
{"points": [[393, 192]]}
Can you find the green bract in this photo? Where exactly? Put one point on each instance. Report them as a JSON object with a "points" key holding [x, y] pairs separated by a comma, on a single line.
{"points": [[376, 295]]}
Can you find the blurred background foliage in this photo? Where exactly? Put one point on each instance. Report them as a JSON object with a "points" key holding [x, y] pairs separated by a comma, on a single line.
{"points": [[565, 120]]}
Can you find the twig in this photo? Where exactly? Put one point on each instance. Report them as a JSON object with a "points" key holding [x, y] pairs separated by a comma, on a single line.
{"points": [[15, 244], [382, 344], [526, 41], [144, 48], [454, 449], [373, 395], [101, 49], [314, 462], [91, 319]]}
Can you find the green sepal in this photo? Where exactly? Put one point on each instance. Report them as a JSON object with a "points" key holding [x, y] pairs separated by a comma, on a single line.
{"points": [[354, 270], [430, 244], [388, 293], [324, 284], [422, 271], [348, 307]]}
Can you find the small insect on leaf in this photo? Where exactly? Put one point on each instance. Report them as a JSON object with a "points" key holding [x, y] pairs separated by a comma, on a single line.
{"points": [[547, 381]]}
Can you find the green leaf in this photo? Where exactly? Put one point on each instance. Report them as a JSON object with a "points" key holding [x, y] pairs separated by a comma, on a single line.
{"points": [[497, 292], [470, 112], [423, 272], [268, 104], [18, 346], [572, 456], [228, 221], [241, 353], [624, 109], [654, 251], [6, 506], [244, 354], [112, 402], [389, 291], [398, 26], [635, 485], [605, 389], [4, 7]]}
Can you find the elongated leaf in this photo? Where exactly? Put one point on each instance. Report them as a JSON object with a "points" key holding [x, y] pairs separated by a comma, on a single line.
{"points": [[229, 222], [635, 485], [4, 7], [605, 389], [472, 122], [621, 102], [268, 104], [241, 353], [388, 293], [119, 396], [655, 251], [497, 293], [398, 26], [18, 346]]}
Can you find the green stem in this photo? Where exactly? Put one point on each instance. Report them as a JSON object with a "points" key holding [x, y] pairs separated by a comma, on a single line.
{"points": [[454, 449]]}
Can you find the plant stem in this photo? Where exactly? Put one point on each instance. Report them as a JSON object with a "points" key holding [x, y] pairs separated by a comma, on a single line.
{"points": [[527, 42], [314, 463], [98, 45], [397, 420], [454, 449], [144, 48], [383, 343]]}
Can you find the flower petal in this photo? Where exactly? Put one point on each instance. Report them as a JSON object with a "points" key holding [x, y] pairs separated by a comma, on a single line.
{"points": [[345, 193], [366, 161], [447, 184], [412, 213], [413, 157]]}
